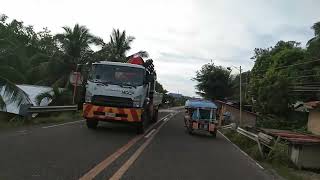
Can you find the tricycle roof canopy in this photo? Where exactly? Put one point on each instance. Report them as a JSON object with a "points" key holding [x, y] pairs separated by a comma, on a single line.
{"points": [[199, 103]]}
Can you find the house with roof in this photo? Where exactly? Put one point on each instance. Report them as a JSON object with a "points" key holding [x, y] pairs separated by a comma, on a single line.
{"points": [[313, 107]]}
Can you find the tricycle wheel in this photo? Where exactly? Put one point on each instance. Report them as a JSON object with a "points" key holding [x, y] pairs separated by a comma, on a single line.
{"points": [[214, 133]]}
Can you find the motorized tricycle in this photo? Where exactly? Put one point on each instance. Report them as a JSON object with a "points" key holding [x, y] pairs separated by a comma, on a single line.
{"points": [[200, 115]]}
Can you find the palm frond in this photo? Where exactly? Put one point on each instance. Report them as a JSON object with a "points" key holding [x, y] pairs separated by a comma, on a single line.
{"points": [[45, 95], [2, 104], [61, 82], [12, 93]]}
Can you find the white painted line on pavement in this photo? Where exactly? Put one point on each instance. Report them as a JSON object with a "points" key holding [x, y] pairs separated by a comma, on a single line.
{"points": [[241, 151], [166, 116], [150, 133], [62, 124]]}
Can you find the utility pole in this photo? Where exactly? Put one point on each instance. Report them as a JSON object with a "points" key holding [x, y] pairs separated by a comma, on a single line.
{"points": [[240, 113], [240, 98]]}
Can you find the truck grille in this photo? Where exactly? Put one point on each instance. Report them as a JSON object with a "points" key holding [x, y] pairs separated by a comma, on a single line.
{"points": [[111, 101]]}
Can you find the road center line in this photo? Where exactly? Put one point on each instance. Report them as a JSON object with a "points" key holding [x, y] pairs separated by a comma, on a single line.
{"points": [[150, 133], [110, 159], [124, 168], [105, 163], [62, 124]]}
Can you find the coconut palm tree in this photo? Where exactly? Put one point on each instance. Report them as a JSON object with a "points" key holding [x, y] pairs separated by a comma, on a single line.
{"points": [[75, 49], [118, 46]]}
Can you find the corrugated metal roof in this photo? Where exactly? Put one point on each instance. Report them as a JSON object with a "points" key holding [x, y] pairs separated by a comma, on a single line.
{"points": [[32, 91], [294, 137], [200, 104]]}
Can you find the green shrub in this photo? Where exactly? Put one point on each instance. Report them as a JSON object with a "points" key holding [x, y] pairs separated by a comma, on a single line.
{"points": [[280, 156]]}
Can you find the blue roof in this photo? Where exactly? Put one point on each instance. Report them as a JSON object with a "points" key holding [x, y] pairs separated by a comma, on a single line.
{"points": [[200, 104]]}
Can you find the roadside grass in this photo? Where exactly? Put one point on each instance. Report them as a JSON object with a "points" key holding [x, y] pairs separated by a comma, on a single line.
{"points": [[8, 121], [279, 160]]}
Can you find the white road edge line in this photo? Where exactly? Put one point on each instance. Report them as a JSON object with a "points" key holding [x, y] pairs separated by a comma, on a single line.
{"points": [[242, 151], [62, 124], [150, 133]]}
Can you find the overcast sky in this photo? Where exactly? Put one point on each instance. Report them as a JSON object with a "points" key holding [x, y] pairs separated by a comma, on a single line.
{"points": [[183, 35]]}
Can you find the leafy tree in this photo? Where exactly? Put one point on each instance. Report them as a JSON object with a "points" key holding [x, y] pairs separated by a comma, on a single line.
{"points": [[314, 43], [160, 89], [213, 82], [277, 61], [273, 95]]}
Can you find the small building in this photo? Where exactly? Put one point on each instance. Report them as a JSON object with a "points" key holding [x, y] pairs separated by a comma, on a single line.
{"points": [[313, 107], [248, 118], [304, 149], [314, 117]]}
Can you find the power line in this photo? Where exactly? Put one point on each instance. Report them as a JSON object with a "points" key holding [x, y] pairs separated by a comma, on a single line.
{"points": [[303, 76], [292, 65], [297, 64]]}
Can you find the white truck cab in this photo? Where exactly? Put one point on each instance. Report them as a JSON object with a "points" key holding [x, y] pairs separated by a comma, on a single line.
{"points": [[120, 92]]}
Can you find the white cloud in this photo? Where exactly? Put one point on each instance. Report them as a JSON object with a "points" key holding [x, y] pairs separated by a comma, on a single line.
{"points": [[180, 35]]}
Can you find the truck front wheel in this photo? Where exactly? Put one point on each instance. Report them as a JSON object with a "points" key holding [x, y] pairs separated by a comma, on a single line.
{"points": [[141, 125], [92, 124]]}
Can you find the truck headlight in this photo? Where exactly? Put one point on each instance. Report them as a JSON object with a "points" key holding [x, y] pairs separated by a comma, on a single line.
{"points": [[137, 101], [88, 96]]}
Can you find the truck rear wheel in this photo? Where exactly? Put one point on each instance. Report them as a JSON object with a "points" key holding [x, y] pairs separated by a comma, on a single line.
{"points": [[92, 124], [155, 115]]}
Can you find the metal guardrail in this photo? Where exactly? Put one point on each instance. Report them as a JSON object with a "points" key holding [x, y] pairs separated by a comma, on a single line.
{"points": [[41, 109], [261, 138], [248, 134], [26, 110]]}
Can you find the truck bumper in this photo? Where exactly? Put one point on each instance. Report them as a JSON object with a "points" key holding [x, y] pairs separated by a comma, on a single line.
{"points": [[103, 113]]}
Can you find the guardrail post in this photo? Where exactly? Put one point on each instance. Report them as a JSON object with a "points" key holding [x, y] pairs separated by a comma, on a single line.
{"points": [[274, 146], [260, 147], [24, 111]]}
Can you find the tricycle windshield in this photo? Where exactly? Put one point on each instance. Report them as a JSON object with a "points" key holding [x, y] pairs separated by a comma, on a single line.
{"points": [[202, 114]]}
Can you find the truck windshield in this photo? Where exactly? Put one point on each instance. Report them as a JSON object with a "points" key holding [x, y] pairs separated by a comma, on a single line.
{"points": [[118, 75]]}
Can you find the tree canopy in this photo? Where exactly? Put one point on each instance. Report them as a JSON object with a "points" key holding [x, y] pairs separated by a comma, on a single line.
{"points": [[213, 82], [43, 58], [282, 75]]}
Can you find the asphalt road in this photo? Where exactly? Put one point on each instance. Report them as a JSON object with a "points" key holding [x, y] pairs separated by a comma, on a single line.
{"points": [[166, 151]]}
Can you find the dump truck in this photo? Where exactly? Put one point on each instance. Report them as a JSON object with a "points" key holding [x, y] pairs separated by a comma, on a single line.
{"points": [[121, 93]]}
